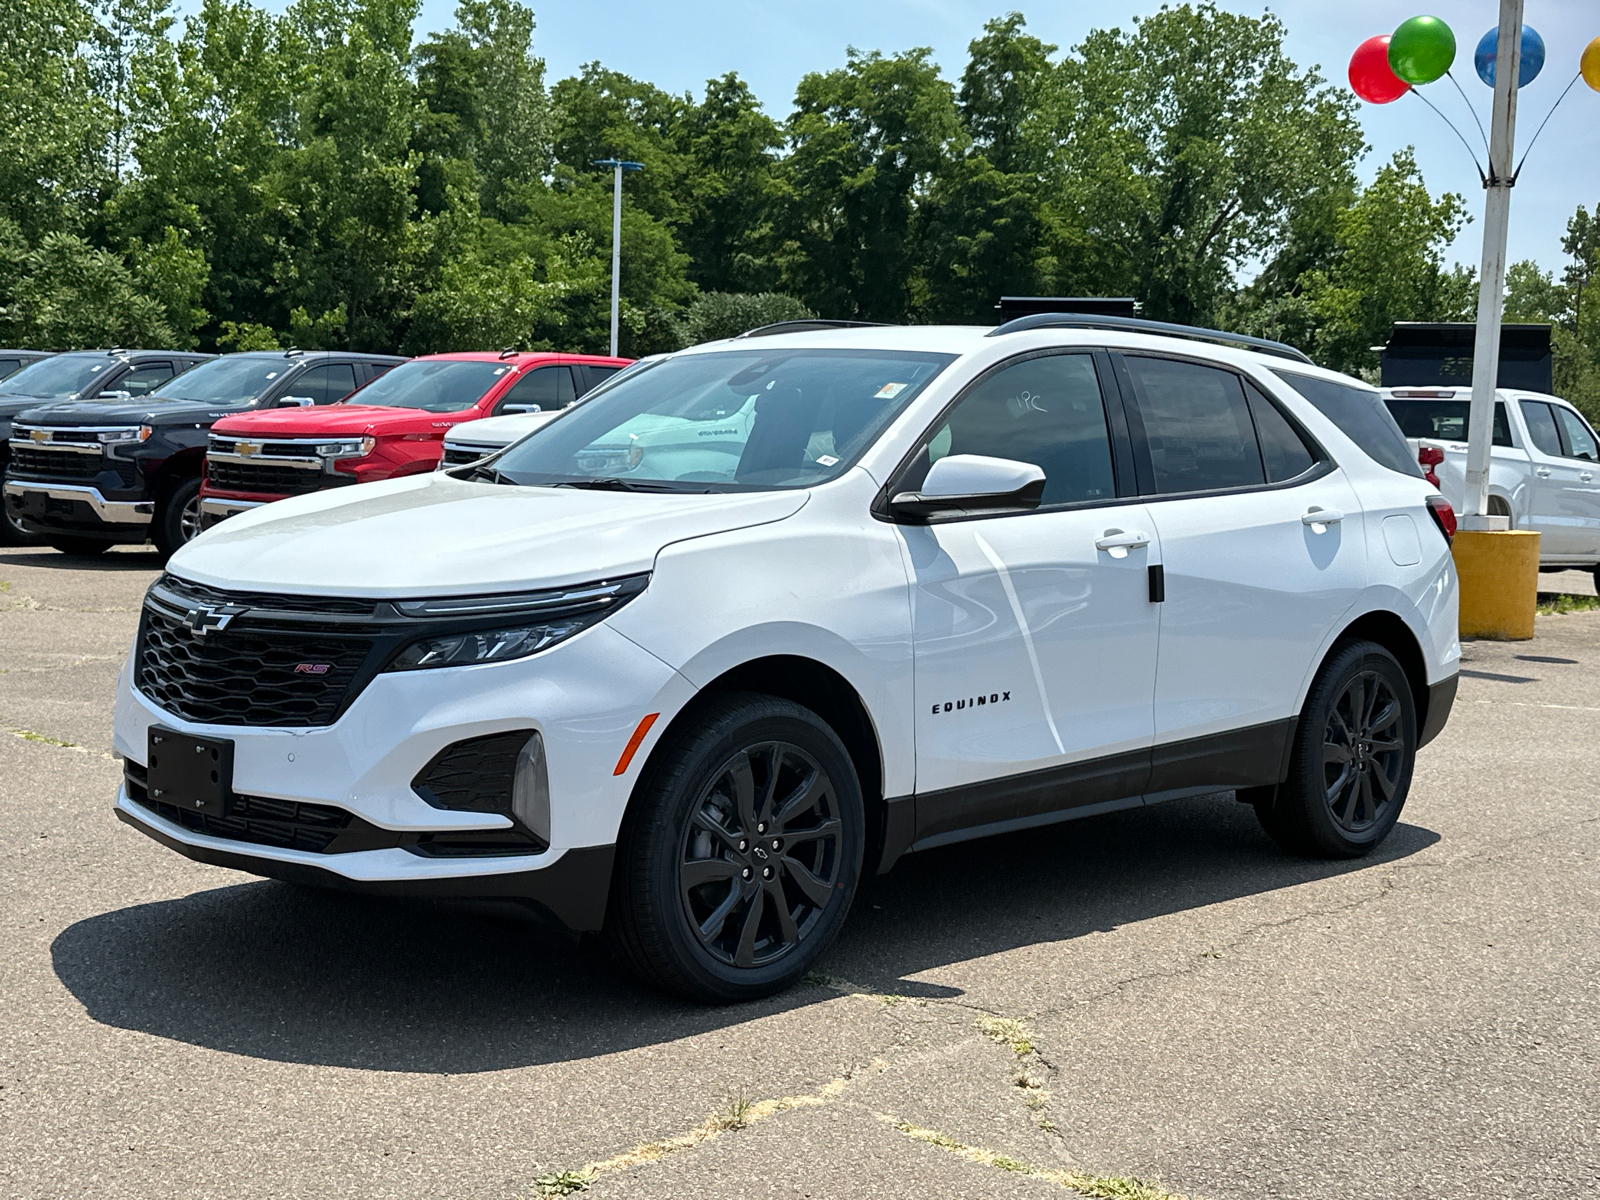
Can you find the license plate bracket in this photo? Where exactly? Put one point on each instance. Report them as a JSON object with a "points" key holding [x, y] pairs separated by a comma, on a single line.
{"points": [[194, 773]]}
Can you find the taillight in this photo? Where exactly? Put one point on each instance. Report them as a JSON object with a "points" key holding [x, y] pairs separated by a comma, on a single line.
{"points": [[1443, 516], [1430, 457]]}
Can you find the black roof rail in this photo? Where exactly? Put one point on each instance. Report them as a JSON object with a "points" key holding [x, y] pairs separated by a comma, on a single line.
{"points": [[807, 326], [1141, 325]]}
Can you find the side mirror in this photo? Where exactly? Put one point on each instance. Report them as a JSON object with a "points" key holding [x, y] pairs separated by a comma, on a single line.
{"points": [[295, 402], [507, 409], [970, 483], [122, 396]]}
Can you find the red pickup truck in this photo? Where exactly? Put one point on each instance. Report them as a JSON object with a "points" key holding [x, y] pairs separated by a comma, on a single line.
{"points": [[393, 426]]}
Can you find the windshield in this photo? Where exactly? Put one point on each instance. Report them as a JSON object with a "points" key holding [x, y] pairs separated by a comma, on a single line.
{"points": [[234, 379], [432, 385], [64, 377], [726, 420]]}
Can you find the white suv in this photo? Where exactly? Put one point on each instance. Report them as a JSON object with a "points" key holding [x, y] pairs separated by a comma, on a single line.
{"points": [[946, 582]]}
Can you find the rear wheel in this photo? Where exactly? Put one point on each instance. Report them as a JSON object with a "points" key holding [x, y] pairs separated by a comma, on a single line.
{"points": [[741, 854], [1354, 750], [81, 547], [177, 517]]}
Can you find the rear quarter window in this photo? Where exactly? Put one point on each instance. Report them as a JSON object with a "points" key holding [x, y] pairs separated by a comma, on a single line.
{"points": [[1360, 414]]}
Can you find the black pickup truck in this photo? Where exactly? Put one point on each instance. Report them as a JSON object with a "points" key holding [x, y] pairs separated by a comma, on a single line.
{"points": [[12, 361], [88, 475], [81, 375]]}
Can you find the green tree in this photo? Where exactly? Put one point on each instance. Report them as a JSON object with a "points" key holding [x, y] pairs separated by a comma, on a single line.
{"points": [[1000, 90], [1187, 148], [865, 142], [71, 295], [712, 316], [726, 229]]}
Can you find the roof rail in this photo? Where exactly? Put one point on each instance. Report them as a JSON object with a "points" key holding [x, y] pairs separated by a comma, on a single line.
{"points": [[1141, 325], [807, 326]]}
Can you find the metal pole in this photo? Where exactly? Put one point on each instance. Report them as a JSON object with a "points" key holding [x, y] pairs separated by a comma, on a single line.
{"points": [[616, 251], [1492, 282]]}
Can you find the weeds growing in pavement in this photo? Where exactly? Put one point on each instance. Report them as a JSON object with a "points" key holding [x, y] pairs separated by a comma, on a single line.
{"points": [[1553, 604]]}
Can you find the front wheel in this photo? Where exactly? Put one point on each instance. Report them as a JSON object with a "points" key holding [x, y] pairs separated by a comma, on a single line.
{"points": [[13, 534], [740, 854], [177, 519], [1354, 750]]}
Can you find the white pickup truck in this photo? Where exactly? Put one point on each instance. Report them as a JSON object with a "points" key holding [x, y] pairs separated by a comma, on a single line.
{"points": [[1544, 468]]}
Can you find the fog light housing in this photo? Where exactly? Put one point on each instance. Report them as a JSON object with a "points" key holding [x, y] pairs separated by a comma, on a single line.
{"points": [[504, 773]]}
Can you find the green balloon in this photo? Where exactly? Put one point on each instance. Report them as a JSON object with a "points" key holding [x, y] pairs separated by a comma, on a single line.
{"points": [[1422, 50]]}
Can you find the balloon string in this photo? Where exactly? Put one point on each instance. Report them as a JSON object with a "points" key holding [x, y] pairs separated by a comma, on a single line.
{"points": [[1471, 110], [1542, 124], [1470, 151]]}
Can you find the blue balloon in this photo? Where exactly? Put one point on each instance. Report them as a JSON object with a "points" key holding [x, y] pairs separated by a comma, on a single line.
{"points": [[1532, 56]]}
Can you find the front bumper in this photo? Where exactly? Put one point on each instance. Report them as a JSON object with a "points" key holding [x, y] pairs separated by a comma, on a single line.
{"points": [[569, 886], [585, 696], [73, 504], [216, 508]]}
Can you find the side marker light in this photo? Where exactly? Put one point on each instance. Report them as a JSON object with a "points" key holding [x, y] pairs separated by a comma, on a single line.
{"points": [[634, 742]]}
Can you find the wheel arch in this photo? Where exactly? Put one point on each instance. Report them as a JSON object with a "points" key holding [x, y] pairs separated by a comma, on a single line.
{"points": [[813, 685], [179, 466], [1389, 630]]}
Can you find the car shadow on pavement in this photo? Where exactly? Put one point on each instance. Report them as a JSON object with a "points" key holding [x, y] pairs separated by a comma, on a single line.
{"points": [[50, 559], [274, 971]]}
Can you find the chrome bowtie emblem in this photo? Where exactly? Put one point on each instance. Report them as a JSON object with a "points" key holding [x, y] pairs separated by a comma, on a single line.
{"points": [[38, 435], [246, 449], [203, 620]]}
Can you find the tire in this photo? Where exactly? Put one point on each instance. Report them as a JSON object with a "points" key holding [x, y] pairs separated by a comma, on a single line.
{"points": [[177, 517], [80, 547], [690, 907], [12, 534], [1350, 767]]}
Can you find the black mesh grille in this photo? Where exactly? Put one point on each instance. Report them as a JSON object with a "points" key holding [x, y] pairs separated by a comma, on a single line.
{"points": [[263, 477], [474, 775], [456, 458], [286, 824], [238, 676], [55, 464]]}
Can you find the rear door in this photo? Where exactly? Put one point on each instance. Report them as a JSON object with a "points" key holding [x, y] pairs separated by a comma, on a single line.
{"points": [[1254, 583]]}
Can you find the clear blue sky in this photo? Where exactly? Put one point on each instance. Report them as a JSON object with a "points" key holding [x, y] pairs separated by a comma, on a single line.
{"points": [[679, 45]]}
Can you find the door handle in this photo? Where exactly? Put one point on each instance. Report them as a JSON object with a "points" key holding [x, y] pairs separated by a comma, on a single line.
{"points": [[1542, 472], [1586, 475], [1116, 539], [1322, 516]]}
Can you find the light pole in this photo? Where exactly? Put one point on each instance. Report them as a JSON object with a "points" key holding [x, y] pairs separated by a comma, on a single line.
{"points": [[619, 166]]}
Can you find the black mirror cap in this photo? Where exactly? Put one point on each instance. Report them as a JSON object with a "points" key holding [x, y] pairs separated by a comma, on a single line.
{"points": [[915, 508]]}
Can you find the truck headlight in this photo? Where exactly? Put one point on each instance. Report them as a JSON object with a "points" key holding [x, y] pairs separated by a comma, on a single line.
{"points": [[347, 447], [115, 436]]}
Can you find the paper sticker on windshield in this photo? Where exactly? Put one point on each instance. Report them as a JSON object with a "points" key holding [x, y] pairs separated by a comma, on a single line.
{"points": [[826, 460], [889, 391]]}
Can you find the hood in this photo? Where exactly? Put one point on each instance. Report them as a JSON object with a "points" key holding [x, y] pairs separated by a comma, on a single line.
{"points": [[501, 431], [341, 420], [433, 535], [11, 404], [147, 410]]}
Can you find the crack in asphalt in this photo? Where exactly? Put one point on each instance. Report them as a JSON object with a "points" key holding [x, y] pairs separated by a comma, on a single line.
{"points": [[41, 739]]}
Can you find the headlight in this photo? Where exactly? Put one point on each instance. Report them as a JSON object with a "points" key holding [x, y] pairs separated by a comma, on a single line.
{"points": [[530, 622], [605, 460], [347, 448], [141, 434]]}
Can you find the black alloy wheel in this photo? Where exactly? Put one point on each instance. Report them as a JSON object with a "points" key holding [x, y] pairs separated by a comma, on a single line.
{"points": [[760, 858], [740, 851], [1350, 764], [1363, 752]]}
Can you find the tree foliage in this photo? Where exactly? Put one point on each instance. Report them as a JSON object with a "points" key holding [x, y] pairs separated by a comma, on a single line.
{"points": [[322, 176]]}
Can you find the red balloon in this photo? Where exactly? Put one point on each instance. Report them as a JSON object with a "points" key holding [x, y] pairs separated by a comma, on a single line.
{"points": [[1371, 77]]}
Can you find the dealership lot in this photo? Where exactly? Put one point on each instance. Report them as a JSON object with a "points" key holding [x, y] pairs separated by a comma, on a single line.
{"points": [[1156, 993]]}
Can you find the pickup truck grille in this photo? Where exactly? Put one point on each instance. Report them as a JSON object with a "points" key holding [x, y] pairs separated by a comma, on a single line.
{"points": [[264, 478], [454, 457], [55, 464]]}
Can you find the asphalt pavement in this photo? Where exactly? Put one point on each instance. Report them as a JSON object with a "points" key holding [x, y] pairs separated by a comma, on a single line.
{"points": [[1156, 995]]}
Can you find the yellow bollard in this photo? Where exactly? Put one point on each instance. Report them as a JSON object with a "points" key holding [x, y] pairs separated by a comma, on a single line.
{"points": [[1499, 573]]}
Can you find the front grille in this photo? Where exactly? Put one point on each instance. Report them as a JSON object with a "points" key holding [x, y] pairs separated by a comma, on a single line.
{"points": [[199, 593], [454, 457], [240, 676], [473, 775], [34, 462], [261, 821], [265, 478]]}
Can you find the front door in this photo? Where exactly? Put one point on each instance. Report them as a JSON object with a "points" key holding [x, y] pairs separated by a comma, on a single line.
{"points": [[1035, 647], [1254, 582], [1561, 504]]}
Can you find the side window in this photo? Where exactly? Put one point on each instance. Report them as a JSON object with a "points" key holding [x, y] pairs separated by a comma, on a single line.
{"points": [[1197, 426], [324, 384], [597, 376], [1361, 416], [1542, 427], [9, 366], [1047, 411], [1284, 452], [1576, 434], [543, 389], [142, 381]]}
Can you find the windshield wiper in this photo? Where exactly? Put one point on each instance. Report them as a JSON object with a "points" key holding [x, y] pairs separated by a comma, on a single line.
{"points": [[625, 485], [493, 475]]}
